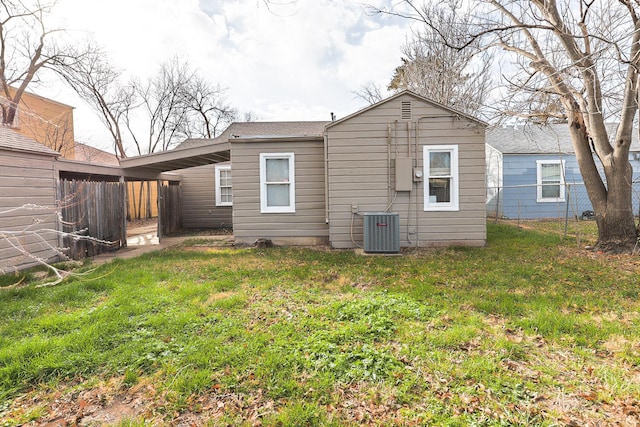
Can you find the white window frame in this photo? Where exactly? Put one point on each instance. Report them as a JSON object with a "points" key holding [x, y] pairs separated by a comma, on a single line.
{"points": [[219, 201], [539, 198], [264, 208], [453, 204]]}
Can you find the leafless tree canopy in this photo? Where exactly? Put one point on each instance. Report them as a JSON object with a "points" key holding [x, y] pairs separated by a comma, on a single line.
{"points": [[370, 92], [174, 104], [435, 67], [208, 112], [570, 60], [98, 84], [179, 103], [27, 48]]}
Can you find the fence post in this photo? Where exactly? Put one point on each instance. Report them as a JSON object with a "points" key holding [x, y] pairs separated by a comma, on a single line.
{"points": [[161, 212], [566, 209], [497, 205], [125, 199]]}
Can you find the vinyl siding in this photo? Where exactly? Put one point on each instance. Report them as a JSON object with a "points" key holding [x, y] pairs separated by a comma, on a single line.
{"points": [[306, 225], [518, 199], [199, 199], [360, 167], [27, 179]]}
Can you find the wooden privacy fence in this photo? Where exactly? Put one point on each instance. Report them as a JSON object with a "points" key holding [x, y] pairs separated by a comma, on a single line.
{"points": [[97, 208], [142, 199], [170, 215]]}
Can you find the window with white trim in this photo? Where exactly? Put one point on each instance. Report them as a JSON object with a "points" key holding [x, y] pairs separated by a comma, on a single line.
{"points": [[224, 186], [550, 181], [441, 178], [277, 183]]}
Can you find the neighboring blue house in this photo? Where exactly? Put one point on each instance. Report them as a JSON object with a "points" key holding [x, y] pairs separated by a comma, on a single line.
{"points": [[532, 173]]}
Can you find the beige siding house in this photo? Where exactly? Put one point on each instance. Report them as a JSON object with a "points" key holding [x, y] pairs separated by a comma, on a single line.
{"points": [[279, 190], [315, 182], [27, 201], [219, 196], [386, 158], [199, 194]]}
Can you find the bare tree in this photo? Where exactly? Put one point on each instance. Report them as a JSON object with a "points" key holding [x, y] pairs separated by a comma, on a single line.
{"points": [[576, 61], [27, 48], [370, 92], [18, 243], [156, 113], [162, 99], [434, 67], [98, 84], [250, 116], [207, 109]]}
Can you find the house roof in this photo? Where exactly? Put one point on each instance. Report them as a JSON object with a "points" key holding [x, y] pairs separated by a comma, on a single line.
{"points": [[12, 140], [275, 129], [414, 95], [539, 139], [263, 130]]}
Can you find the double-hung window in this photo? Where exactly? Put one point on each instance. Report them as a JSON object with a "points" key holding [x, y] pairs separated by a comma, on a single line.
{"points": [[277, 183], [224, 186], [441, 178], [550, 181]]}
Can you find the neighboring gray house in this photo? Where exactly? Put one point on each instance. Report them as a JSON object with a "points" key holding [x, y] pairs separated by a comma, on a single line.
{"points": [[532, 172], [321, 182], [27, 201]]}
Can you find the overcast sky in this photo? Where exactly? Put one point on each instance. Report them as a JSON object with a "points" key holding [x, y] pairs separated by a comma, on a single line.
{"points": [[298, 61]]}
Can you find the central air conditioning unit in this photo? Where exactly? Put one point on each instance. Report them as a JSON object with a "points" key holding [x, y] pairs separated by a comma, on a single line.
{"points": [[381, 232]]}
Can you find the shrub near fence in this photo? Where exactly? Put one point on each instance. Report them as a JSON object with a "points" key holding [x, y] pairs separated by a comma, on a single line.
{"points": [[96, 208]]}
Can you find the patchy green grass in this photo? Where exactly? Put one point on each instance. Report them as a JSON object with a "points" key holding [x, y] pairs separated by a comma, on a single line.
{"points": [[527, 331], [581, 232]]}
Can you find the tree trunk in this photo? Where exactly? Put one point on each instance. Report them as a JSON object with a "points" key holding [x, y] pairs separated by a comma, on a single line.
{"points": [[611, 199], [616, 228]]}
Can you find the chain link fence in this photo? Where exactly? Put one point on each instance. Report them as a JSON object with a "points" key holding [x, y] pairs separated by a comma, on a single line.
{"points": [[521, 202]]}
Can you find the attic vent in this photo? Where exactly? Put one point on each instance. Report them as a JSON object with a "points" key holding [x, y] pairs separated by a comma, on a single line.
{"points": [[405, 110]]}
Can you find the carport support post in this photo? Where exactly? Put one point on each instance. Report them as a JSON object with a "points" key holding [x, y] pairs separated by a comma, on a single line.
{"points": [[160, 205], [125, 197]]}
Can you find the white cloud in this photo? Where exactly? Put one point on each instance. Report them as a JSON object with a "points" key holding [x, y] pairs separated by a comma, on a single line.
{"points": [[295, 62]]}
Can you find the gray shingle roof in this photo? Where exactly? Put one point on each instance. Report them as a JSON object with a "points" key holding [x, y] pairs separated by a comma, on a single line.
{"points": [[536, 139], [261, 129], [12, 140]]}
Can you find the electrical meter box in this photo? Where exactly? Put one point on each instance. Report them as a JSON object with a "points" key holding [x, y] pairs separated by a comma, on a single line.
{"points": [[404, 174]]}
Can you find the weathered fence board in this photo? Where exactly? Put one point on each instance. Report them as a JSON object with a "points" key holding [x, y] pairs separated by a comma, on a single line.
{"points": [[170, 202], [96, 209]]}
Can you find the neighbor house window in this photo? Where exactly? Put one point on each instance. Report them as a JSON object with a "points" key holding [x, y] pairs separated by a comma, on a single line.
{"points": [[224, 186], [277, 183], [441, 178], [550, 181]]}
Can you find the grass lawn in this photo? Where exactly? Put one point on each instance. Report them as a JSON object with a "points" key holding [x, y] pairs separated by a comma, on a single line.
{"points": [[531, 330]]}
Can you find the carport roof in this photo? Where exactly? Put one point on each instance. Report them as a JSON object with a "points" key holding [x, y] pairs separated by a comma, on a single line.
{"points": [[149, 166], [199, 152], [214, 152]]}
